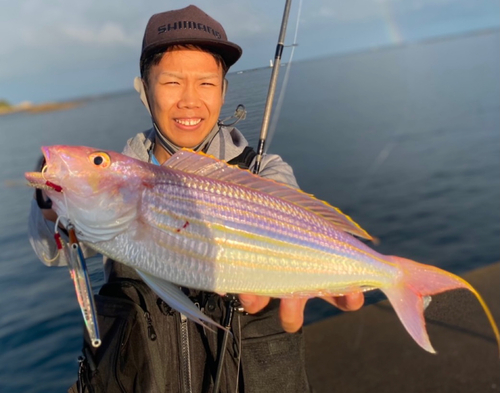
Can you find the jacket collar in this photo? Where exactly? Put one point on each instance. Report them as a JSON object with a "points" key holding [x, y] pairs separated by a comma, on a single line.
{"points": [[227, 144]]}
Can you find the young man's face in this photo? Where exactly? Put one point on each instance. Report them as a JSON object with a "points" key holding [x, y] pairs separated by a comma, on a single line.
{"points": [[185, 95]]}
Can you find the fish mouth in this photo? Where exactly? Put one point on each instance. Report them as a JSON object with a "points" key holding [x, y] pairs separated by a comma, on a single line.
{"points": [[39, 179]]}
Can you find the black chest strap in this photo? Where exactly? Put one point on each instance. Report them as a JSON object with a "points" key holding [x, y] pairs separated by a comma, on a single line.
{"points": [[244, 159]]}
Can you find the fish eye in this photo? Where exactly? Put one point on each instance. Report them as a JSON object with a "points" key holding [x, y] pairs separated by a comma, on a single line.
{"points": [[100, 159]]}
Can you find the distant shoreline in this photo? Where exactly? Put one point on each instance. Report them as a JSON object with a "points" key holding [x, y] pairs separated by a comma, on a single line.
{"points": [[28, 107]]}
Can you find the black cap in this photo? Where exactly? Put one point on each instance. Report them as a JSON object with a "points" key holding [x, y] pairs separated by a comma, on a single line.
{"points": [[188, 25]]}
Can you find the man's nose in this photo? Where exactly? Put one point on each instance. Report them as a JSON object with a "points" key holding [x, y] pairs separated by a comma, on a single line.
{"points": [[189, 97]]}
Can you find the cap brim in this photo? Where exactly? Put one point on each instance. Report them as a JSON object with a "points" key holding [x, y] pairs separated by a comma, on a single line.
{"points": [[227, 50]]}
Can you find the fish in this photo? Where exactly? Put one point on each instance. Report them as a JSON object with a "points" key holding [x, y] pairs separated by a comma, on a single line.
{"points": [[198, 222]]}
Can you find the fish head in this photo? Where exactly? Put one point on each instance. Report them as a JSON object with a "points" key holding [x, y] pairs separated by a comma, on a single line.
{"points": [[95, 189]]}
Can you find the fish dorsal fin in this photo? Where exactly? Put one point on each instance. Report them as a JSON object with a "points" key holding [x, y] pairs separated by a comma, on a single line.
{"points": [[201, 164]]}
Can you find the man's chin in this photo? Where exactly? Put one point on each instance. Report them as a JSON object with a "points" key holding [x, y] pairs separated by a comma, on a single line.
{"points": [[188, 143]]}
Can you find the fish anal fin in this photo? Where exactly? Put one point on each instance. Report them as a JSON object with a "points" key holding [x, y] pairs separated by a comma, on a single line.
{"points": [[201, 164]]}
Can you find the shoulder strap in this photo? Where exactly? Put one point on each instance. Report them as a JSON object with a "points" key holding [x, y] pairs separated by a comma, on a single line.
{"points": [[244, 159]]}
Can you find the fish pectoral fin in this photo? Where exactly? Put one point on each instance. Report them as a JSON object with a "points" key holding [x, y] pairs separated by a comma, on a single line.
{"points": [[177, 299]]}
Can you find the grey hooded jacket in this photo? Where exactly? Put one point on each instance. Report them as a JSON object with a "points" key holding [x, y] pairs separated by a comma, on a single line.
{"points": [[260, 356], [227, 144]]}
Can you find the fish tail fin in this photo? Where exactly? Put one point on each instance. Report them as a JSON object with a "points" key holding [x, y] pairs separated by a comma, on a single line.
{"points": [[411, 294]]}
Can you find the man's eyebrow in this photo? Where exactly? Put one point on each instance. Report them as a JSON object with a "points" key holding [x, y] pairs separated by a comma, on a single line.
{"points": [[180, 76], [173, 74], [209, 76]]}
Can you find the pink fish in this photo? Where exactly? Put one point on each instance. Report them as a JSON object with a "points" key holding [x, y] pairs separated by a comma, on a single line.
{"points": [[199, 223]]}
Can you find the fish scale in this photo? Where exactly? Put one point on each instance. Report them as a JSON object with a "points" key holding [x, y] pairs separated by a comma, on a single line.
{"points": [[244, 245]]}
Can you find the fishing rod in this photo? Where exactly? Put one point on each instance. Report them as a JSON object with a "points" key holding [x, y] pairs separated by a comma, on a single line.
{"points": [[232, 302], [272, 88], [284, 84]]}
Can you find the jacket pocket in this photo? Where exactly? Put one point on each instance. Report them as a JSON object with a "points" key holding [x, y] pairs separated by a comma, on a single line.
{"points": [[108, 367], [274, 363]]}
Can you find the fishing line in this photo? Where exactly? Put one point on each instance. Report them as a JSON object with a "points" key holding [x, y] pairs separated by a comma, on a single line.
{"points": [[373, 168], [392, 143], [67, 206], [57, 225], [44, 169], [279, 104], [47, 260], [376, 164], [239, 354], [56, 237]]}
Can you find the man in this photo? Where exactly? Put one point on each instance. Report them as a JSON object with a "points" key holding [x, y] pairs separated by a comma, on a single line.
{"points": [[184, 60]]}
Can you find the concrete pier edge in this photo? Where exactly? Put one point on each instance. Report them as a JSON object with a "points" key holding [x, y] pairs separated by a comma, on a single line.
{"points": [[370, 351]]}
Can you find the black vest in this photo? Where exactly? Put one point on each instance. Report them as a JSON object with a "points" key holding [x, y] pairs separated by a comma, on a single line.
{"points": [[149, 347]]}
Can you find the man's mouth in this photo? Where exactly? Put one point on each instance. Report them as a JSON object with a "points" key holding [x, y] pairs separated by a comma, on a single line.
{"points": [[188, 122]]}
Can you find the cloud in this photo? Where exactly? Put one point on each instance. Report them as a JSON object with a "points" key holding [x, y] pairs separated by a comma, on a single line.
{"points": [[342, 11], [243, 19], [37, 35], [108, 34], [49, 37], [335, 11]]}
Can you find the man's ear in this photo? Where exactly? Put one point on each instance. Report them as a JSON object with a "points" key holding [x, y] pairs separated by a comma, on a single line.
{"points": [[225, 84], [140, 87]]}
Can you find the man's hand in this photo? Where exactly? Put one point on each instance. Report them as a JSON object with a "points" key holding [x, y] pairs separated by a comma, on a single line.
{"points": [[48, 214], [292, 310]]}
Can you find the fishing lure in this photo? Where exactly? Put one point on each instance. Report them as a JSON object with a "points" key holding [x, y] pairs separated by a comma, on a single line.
{"points": [[79, 274], [81, 280]]}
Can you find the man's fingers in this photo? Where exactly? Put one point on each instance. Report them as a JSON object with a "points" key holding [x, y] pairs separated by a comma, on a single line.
{"points": [[292, 310], [253, 304], [292, 314], [49, 215], [350, 302]]}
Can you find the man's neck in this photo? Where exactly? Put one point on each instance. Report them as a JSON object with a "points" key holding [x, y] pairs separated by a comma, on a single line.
{"points": [[160, 153]]}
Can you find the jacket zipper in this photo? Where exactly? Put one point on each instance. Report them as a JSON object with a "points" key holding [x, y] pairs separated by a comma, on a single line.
{"points": [[151, 329], [185, 359]]}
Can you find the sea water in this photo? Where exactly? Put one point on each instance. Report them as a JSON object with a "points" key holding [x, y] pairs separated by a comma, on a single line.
{"points": [[403, 139]]}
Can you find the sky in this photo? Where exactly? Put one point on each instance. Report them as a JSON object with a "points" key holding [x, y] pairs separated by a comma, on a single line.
{"points": [[54, 50]]}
